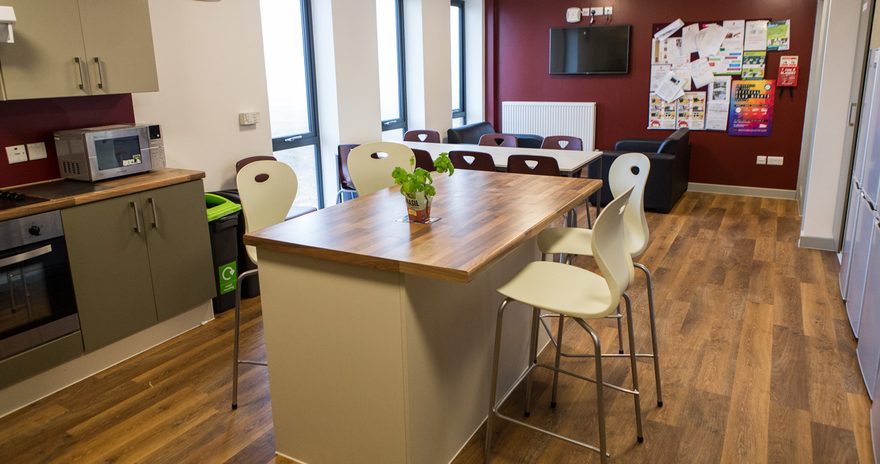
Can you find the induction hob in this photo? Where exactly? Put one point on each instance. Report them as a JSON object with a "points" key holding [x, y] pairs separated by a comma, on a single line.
{"points": [[9, 200]]}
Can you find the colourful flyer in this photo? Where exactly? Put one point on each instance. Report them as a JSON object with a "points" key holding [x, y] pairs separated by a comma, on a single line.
{"points": [[751, 113]]}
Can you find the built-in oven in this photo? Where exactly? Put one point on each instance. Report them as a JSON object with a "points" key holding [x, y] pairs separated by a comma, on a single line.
{"points": [[37, 302]]}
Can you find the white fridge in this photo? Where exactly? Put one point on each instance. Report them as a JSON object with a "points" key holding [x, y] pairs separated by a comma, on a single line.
{"points": [[863, 198]]}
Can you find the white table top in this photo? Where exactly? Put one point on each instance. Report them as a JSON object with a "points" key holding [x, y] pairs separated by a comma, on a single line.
{"points": [[569, 160]]}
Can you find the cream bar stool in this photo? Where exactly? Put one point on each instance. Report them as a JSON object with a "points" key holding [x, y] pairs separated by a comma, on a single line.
{"points": [[628, 171], [267, 190], [582, 295], [370, 165]]}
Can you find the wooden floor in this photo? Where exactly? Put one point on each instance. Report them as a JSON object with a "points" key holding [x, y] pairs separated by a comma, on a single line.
{"points": [[758, 366]]}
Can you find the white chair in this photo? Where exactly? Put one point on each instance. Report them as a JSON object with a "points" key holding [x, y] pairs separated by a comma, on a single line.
{"points": [[267, 190], [628, 171], [582, 295], [370, 165]]}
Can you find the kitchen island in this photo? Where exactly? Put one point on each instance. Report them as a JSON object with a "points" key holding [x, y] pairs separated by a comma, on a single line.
{"points": [[379, 332]]}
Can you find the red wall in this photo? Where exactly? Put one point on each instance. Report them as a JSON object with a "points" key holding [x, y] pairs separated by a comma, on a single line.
{"points": [[517, 59], [30, 121]]}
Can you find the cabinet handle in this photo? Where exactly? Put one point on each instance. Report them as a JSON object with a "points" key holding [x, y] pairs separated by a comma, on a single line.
{"points": [[82, 77], [100, 72], [137, 217], [155, 215]]}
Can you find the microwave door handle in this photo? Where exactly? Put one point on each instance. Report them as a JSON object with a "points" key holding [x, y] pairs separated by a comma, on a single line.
{"points": [[22, 257]]}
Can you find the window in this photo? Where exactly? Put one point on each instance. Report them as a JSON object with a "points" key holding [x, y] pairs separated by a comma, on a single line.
{"points": [[290, 78], [392, 87], [456, 32]]}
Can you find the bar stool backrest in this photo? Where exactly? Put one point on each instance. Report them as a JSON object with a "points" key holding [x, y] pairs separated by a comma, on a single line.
{"points": [[370, 165], [631, 170], [609, 248], [267, 190]]}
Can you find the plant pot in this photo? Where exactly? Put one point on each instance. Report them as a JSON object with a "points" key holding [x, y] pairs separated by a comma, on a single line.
{"points": [[418, 207]]}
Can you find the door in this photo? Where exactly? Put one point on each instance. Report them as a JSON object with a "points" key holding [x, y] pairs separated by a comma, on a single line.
{"points": [[42, 61], [119, 45], [179, 247], [868, 349], [110, 265]]}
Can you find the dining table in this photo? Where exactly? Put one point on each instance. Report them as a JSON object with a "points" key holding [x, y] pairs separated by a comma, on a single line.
{"points": [[379, 332]]}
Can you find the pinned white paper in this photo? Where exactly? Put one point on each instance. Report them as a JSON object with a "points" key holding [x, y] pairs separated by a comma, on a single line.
{"points": [[701, 73], [689, 38], [756, 35], [658, 71], [670, 88], [667, 31], [709, 40], [719, 103]]}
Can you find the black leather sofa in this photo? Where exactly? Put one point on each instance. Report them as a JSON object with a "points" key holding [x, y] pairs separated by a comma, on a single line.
{"points": [[670, 168], [471, 134]]}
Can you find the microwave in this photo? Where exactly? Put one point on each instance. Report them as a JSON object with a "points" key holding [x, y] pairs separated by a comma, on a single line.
{"points": [[100, 153]]}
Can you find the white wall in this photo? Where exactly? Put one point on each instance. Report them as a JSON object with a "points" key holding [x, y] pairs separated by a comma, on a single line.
{"points": [[428, 64], [820, 226], [475, 60], [210, 63]]}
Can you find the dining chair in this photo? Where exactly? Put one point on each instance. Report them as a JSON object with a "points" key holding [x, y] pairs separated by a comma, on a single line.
{"points": [[370, 165], [422, 135], [267, 190], [424, 160], [629, 171], [343, 177], [562, 142], [582, 295], [498, 140], [245, 161], [533, 164], [472, 160]]}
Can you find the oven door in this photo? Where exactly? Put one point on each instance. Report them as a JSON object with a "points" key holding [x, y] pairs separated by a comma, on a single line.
{"points": [[118, 152], [37, 303]]}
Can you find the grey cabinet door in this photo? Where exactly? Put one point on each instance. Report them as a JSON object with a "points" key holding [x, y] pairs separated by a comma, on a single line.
{"points": [[41, 62], [119, 44], [179, 247], [111, 269]]}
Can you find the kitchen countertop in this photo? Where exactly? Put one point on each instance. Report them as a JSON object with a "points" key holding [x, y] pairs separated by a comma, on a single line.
{"points": [[69, 193]]}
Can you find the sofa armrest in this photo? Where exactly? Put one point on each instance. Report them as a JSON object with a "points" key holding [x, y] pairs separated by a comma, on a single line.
{"points": [[638, 145]]}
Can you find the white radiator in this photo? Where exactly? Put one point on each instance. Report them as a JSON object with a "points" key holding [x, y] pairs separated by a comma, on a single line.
{"points": [[551, 118]]}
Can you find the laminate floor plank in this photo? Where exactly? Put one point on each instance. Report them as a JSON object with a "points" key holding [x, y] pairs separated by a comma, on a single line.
{"points": [[758, 365]]}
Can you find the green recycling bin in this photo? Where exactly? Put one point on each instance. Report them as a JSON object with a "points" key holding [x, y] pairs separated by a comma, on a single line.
{"points": [[222, 224]]}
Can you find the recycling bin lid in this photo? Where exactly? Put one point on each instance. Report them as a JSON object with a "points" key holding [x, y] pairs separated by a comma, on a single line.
{"points": [[219, 207]]}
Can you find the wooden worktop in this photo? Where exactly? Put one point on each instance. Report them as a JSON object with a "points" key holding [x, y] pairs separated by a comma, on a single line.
{"points": [[104, 190], [483, 216]]}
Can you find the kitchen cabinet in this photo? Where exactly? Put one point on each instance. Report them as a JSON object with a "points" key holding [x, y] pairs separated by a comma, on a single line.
{"points": [[138, 259], [69, 48]]}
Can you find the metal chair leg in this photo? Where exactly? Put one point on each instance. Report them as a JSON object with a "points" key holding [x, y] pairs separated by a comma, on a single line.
{"points": [[600, 393], [560, 324], [656, 353], [635, 372], [589, 216], [236, 335], [619, 331], [494, 381], [533, 354]]}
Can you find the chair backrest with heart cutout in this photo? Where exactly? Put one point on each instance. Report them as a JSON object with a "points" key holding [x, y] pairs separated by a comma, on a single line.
{"points": [[422, 135], [532, 164], [563, 142]]}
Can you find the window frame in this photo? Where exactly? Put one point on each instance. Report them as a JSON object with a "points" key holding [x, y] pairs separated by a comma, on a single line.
{"points": [[401, 121], [313, 136], [461, 111]]}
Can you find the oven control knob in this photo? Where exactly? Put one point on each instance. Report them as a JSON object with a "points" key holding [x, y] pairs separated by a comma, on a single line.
{"points": [[34, 230]]}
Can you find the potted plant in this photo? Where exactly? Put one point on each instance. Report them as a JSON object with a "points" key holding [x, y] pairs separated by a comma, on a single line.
{"points": [[417, 187]]}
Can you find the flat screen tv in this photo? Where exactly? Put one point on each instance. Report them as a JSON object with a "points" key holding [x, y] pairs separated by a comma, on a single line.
{"points": [[589, 50]]}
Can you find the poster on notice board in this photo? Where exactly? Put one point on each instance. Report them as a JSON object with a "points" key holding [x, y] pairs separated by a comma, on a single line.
{"points": [[751, 112]]}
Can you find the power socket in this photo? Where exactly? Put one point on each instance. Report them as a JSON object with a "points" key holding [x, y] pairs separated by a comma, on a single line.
{"points": [[16, 154], [608, 11], [761, 160], [597, 11], [774, 160]]}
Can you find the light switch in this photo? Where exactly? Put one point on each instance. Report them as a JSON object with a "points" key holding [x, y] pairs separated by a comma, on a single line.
{"points": [[248, 119], [774, 160], [36, 151], [16, 154]]}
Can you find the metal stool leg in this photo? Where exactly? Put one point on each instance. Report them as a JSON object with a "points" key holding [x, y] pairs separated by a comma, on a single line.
{"points": [[533, 354], [656, 355], [589, 216], [619, 331], [560, 325], [494, 381], [635, 373], [600, 393], [236, 335]]}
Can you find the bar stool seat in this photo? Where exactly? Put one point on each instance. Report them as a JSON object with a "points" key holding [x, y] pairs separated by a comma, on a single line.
{"points": [[561, 288]]}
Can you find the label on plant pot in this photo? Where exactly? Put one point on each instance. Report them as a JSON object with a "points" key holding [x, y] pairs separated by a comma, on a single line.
{"points": [[418, 208]]}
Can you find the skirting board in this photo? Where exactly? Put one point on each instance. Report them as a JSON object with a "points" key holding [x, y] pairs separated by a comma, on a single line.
{"points": [[59, 377], [743, 191], [818, 243]]}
